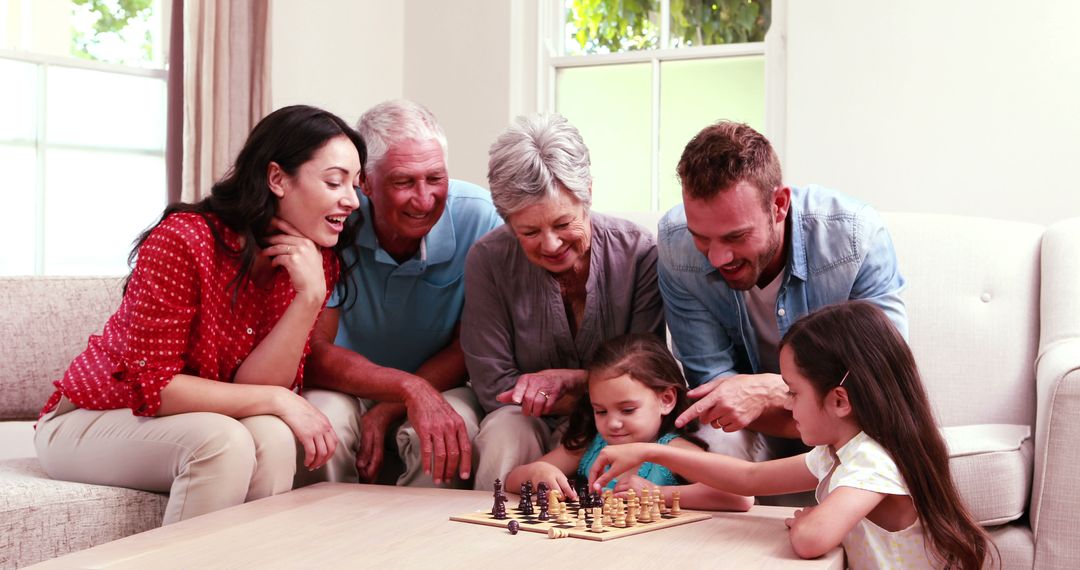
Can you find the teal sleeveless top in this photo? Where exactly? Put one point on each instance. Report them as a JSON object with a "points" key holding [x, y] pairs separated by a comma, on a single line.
{"points": [[652, 472]]}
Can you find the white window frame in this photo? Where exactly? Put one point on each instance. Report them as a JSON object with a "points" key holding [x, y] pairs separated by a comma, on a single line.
{"points": [[43, 62], [551, 16]]}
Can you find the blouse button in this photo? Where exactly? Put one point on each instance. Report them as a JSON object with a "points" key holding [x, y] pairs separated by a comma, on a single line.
{"points": [[238, 361], [781, 312], [142, 363], [249, 331]]}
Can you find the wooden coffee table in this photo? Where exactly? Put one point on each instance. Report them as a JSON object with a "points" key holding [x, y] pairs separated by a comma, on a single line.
{"points": [[352, 526]]}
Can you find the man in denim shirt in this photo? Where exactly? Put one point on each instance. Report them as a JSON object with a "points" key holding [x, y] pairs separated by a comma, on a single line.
{"points": [[741, 260]]}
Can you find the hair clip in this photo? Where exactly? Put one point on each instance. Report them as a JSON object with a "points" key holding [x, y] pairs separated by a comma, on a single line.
{"points": [[844, 378]]}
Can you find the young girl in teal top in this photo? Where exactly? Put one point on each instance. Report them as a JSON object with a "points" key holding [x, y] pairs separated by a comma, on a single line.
{"points": [[635, 392]]}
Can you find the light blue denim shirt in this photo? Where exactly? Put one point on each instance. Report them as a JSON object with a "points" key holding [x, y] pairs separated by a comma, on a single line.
{"points": [[838, 249]]}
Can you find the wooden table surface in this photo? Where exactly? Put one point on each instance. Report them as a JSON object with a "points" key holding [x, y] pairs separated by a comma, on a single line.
{"points": [[334, 525]]}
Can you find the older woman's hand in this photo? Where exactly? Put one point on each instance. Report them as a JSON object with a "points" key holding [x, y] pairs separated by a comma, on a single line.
{"points": [[537, 393]]}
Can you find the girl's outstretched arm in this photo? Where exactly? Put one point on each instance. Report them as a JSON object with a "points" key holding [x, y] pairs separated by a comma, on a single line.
{"points": [[817, 530], [788, 475], [551, 469]]}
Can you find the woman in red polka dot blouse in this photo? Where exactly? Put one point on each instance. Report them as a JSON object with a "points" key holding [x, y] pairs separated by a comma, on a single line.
{"points": [[191, 389]]}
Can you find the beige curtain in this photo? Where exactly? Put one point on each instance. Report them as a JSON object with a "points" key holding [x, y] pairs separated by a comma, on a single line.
{"points": [[226, 85]]}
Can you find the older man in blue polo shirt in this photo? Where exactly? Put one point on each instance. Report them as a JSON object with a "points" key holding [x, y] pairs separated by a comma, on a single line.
{"points": [[385, 353]]}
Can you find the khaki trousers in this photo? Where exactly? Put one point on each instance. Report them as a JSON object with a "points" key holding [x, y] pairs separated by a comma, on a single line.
{"points": [[345, 412], [204, 461], [509, 438]]}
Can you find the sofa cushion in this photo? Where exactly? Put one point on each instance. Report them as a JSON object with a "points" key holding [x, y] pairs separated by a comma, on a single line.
{"points": [[17, 440], [991, 466], [44, 323], [41, 518]]}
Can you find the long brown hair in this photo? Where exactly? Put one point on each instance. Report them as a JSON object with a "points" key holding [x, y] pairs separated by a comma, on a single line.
{"points": [[644, 358], [889, 402], [289, 136]]}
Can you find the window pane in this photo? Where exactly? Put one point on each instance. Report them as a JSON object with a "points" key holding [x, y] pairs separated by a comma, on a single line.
{"points": [[126, 32], [696, 93], [609, 26], [96, 108], [96, 203], [18, 101], [610, 105], [697, 23], [18, 217]]}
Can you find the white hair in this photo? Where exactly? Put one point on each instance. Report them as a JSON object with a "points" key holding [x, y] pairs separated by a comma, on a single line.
{"points": [[534, 159], [393, 122]]}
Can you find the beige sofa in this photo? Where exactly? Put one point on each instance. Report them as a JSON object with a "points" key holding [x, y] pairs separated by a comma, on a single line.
{"points": [[44, 323], [976, 291]]}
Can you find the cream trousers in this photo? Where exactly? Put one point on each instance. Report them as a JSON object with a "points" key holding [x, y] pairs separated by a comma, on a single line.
{"points": [[345, 411], [204, 461]]}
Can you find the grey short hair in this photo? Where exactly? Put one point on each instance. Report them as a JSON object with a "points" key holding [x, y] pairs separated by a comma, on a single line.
{"points": [[533, 158], [396, 121]]}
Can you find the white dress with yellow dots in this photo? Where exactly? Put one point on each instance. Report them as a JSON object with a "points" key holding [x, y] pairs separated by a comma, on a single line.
{"points": [[863, 464]]}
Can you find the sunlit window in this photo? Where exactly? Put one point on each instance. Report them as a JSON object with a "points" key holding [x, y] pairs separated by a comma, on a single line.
{"points": [[82, 131], [640, 77]]}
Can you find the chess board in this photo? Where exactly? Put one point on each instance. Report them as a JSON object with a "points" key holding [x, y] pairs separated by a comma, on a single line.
{"points": [[532, 524]]}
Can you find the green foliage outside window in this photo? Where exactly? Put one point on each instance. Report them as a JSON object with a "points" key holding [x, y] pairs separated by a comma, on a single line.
{"points": [[110, 25], [600, 26]]}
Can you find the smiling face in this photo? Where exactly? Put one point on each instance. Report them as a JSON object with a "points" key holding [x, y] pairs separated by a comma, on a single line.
{"points": [[628, 411], [408, 190], [740, 238], [318, 197], [554, 233]]}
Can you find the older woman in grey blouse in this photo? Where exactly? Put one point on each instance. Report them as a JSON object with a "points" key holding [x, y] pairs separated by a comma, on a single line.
{"points": [[543, 291]]}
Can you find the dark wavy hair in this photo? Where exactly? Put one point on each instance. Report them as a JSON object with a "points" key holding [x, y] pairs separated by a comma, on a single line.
{"points": [[645, 359], [890, 404], [242, 200]]}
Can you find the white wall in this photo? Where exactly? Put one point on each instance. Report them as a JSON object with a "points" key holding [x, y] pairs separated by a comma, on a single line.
{"points": [[964, 107], [459, 63], [341, 55]]}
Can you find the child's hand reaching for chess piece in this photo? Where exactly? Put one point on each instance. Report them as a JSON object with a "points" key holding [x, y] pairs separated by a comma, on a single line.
{"points": [[879, 463], [635, 392]]}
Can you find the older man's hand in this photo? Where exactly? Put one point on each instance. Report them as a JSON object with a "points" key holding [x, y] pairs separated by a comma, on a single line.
{"points": [[444, 440], [538, 393]]}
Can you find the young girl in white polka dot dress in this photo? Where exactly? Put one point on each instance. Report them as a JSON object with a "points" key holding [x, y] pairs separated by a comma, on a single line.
{"points": [[191, 387], [879, 464]]}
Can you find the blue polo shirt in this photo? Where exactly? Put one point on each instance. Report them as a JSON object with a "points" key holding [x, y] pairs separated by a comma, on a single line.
{"points": [[400, 315]]}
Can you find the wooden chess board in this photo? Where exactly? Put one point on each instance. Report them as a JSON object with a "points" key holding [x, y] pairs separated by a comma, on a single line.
{"points": [[532, 524]]}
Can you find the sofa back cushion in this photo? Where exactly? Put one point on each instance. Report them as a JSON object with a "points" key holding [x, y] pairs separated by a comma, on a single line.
{"points": [[44, 323], [973, 308]]}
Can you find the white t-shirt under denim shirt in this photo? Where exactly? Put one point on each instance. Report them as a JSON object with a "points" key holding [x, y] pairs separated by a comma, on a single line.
{"points": [[864, 464]]}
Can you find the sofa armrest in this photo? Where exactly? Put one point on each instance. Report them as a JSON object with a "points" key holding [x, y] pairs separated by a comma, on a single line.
{"points": [[1055, 497]]}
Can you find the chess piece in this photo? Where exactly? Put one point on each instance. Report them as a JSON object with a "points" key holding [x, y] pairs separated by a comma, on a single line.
{"points": [[524, 497], [632, 507], [499, 509], [580, 522], [542, 504], [655, 514], [513, 526], [597, 521], [675, 510], [557, 533], [561, 516]]}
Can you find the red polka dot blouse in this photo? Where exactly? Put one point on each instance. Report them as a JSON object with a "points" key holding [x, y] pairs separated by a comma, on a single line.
{"points": [[178, 317]]}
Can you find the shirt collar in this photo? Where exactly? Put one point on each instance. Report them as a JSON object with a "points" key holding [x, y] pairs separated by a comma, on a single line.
{"points": [[797, 256], [437, 246], [847, 451]]}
